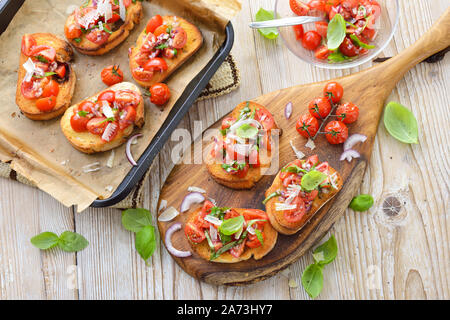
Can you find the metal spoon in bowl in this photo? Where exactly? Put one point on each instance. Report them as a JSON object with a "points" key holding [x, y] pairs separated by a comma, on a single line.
{"points": [[284, 22]]}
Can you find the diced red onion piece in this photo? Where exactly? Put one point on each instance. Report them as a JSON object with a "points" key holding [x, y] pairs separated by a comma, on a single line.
{"points": [[190, 199], [288, 110], [128, 148], [349, 155], [168, 240], [354, 139]]}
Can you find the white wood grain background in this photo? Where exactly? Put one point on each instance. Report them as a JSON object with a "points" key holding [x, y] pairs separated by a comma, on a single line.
{"points": [[380, 257]]}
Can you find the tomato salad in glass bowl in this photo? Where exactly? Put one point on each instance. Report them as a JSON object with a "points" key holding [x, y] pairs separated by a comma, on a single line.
{"points": [[352, 31]]}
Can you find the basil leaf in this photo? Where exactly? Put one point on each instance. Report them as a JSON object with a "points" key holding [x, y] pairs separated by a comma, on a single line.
{"points": [[259, 236], [336, 32], [312, 179], [71, 241], [146, 242], [45, 240], [264, 15], [294, 169], [246, 131], [400, 123], [337, 56], [272, 195], [359, 43], [312, 280], [41, 59], [361, 203], [135, 219], [326, 252], [231, 226]]}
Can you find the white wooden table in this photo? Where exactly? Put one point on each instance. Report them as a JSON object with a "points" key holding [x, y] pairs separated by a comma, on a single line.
{"points": [[380, 257]]}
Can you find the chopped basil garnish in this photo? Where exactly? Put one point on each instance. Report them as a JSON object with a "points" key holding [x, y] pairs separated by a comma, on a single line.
{"points": [[272, 195], [231, 226], [312, 179], [47, 74], [77, 40], [359, 43], [82, 113], [162, 46], [337, 56], [259, 236], [42, 59], [294, 169], [234, 166], [246, 131]]}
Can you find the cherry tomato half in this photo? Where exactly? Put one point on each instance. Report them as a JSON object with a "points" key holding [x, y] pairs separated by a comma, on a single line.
{"points": [[46, 104], [154, 23], [264, 116], [348, 48], [97, 36], [298, 31], [322, 28], [322, 52], [28, 42], [156, 64], [194, 233], [72, 31], [180, 38], [298, 7], [107, 95], [97, 125], [50, 89], [46, 52], [296, 214]]}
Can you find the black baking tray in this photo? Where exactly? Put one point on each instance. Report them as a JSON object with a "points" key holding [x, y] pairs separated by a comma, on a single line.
{"points": [[8, 9]]}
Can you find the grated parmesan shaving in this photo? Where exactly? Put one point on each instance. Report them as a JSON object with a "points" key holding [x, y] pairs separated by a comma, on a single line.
{"points": [[162, 205], [122, 10], [283, 206], [91, 167], [109, 188], [110, 161], [300, 155], [106, 109], [310, 144], [196, 189]]}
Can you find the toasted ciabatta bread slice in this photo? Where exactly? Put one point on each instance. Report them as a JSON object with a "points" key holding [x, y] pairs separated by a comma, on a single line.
{"points": [[215, 161], [85, 20], [66, 84], [204, 250], [139, 57], [87, 142], [310, 204]]}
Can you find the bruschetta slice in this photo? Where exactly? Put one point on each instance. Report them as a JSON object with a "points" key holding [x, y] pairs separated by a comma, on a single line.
{"points": [[242, 150], [99, 26], [298, 191], [46, 81], [104, 121], [229, 235], [162, 47]]}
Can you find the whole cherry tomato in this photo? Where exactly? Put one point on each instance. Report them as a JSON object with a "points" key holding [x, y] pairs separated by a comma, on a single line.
{"points": [[347, 112], [311, 40], [46, 104], [307, 125], [319, 107], [28, 42], [156, 64], [298, 7], [180, 38], [112, 75], [334, 91], [159, 94], [154, 23], [336, 132], [298, 31]]}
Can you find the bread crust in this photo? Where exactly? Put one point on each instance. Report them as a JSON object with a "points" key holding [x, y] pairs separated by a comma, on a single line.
{"points": [[254, 174], [134, 16], [64, 53], [277, 218], [203, 250], [193, 44], [90, 143]]}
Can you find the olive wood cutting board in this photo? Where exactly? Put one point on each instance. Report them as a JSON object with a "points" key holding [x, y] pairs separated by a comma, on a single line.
{"points": [[368, 89]]}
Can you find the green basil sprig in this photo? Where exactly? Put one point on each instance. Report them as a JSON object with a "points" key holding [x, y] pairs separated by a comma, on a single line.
{"points": [[359, 43], [337, 56], [361, 203], [312, 277], [336, 32], [264, 15], [312, 179], [68, 241], [139, 221], [400, 123]]}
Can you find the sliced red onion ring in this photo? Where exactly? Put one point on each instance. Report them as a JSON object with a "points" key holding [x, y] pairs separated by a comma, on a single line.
{"points": [[128, 148], [349, 155], [354, 139], [190, 199], [168, 239], [288, 110]]}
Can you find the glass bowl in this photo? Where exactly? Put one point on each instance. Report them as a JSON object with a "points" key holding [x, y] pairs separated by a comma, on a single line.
{"points": [[386, 26]]}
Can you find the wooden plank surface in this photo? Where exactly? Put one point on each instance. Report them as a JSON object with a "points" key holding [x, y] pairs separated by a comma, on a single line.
{"points": [[380, 257]]}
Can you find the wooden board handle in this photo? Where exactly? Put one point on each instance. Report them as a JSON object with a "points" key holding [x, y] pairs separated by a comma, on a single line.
{"points": [[433, 41]]}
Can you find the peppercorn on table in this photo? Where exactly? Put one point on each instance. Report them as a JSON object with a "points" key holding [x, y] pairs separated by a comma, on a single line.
{"points": [[399, 249]]}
